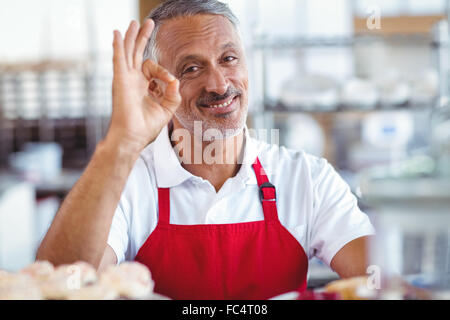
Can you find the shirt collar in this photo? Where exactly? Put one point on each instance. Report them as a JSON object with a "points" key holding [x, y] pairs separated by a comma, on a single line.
{"points": [[246, 172], [169, 172]]}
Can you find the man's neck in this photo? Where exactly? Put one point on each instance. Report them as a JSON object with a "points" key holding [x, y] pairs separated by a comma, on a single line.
{"points": [[215, 161]]}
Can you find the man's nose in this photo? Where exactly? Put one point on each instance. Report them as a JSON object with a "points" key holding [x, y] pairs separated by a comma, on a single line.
{"points": [[216, 82]]}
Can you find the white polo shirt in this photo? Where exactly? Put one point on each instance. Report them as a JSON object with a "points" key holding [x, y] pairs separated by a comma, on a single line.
{"points": [[314, 203]]}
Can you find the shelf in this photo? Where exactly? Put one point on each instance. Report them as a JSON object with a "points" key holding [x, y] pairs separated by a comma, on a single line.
{"points": [[283, 43], [59, 186], [281, 108]]}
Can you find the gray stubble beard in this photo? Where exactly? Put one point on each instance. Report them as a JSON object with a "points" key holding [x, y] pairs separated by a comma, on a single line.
{"points": [[225, 133]]}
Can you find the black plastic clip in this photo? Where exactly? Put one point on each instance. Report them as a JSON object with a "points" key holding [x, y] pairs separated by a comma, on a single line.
{"points": [[261, 193]]}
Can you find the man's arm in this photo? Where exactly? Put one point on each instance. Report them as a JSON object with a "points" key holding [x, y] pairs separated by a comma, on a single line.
{"points": [[353, 259], [81, 226], [109, 258]]}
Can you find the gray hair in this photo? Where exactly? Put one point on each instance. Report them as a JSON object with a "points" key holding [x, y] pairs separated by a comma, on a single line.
{"points": [[183, 8]]}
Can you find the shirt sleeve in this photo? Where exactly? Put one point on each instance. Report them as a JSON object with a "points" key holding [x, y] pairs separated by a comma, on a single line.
{"points": [[337, 218], [118, 234], [125, 237]]}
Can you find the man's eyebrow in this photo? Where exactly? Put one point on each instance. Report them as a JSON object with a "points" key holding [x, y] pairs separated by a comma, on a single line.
{"points": [[188, 57], [228, 45]]}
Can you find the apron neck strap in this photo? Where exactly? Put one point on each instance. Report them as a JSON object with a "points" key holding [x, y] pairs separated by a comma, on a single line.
{"points": [[164, 205], [267, 192]]}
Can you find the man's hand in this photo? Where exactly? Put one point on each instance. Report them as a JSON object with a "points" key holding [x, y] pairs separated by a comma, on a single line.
{"points": [[139, 114], [81, 227]]}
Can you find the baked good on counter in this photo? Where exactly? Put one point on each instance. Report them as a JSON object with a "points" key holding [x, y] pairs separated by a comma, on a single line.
{"points": [[131, 280], [94, 292], [80, 270], [77, 281], [3, 274], [18, 287], [39, 270], [57, 288], [350, 289], [67, 278]]}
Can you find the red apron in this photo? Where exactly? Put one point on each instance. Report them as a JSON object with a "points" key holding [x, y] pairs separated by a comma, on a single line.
{"points": [[249, 260]]}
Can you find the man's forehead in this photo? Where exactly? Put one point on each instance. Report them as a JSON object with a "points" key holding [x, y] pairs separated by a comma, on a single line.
{"points": [[179, 37]]}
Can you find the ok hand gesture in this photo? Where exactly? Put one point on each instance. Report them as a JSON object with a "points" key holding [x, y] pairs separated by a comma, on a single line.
{"points": [[139, 113]]}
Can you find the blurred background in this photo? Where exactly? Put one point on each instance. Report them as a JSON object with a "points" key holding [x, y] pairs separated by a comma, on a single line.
{"points": [[362, 83]]}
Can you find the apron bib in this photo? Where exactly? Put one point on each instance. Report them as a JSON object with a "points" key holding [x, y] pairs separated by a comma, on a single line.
{"points": [[248, 260]]}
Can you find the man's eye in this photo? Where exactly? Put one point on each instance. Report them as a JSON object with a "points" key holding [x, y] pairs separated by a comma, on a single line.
{"points": [[190, 69], [229, 59]]}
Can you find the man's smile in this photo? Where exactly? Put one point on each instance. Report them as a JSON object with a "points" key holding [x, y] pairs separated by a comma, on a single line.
{"points": [[221, 107]]}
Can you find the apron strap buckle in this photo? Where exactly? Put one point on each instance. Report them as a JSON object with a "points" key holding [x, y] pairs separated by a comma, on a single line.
{"points": [[269, 194]]}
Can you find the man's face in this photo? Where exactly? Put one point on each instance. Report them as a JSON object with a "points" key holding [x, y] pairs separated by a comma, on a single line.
{"points": [[206, 54]]}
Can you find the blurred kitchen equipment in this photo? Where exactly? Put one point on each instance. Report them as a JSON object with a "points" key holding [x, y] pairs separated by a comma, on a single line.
{"points": [[358, 93], [17, 237], [388, 129], [311, 92], [393, 90], [38, 162], [412, 221], [440, 117], [61, 101], [303, 132], [46, 209], [425, 88], [384, 139], [441, 37], [441, 139]]}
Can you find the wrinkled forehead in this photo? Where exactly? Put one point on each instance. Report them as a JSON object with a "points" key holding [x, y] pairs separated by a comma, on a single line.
{"points": [[199, 35]]}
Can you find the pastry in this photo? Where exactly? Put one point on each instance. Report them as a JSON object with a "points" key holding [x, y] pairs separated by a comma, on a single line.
{"points": [[131, 280], [67, 278], [18, 287], [347, 288], [94, 292], [80, 270], [3, 274], [39, 270]]}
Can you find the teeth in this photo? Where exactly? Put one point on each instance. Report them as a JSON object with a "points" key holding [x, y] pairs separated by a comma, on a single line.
{"points": [[222, 105]]}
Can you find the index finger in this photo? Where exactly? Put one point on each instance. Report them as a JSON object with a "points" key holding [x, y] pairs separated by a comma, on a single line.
{"points": [[142, 40], [152, 69], [172, 99]]}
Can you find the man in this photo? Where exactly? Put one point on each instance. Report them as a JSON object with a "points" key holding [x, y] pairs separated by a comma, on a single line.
{"points": [[243, 228]]}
